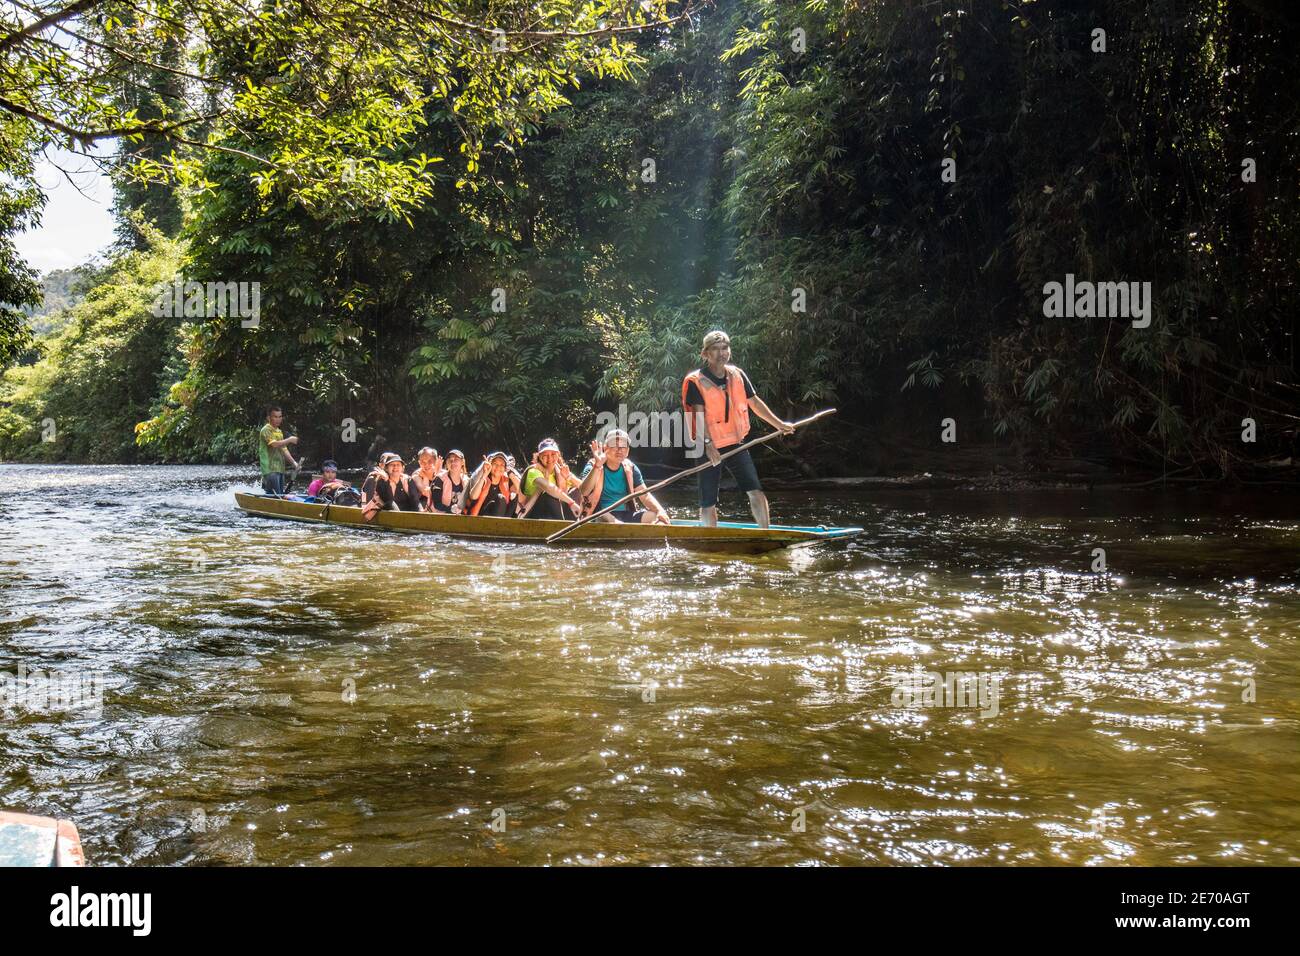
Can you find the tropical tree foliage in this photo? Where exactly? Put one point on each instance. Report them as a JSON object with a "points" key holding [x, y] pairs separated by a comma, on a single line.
{"points": [[99, 374], [20, 205], [870, 195], [1160, 149], [313, 95]]}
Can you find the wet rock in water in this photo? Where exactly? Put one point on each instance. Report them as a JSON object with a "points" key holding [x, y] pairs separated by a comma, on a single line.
{"points": [[1028, 762]]}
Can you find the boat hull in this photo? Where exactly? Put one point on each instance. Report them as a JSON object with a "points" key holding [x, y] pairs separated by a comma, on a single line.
{"points": [[731, 538], [26, 840]]}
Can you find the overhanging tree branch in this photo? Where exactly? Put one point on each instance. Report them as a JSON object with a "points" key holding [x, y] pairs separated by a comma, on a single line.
{"points": [[71, 120], [86, 136], [45, 22], [563, 34]]}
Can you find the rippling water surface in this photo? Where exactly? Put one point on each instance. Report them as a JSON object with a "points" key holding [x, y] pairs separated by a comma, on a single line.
{"points": [[277, 693]]}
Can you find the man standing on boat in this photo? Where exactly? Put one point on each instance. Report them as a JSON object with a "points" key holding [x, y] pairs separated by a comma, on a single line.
{"points": [[273, 452], [717, 398]]}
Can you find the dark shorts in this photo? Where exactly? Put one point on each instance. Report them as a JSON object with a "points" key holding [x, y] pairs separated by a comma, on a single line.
{"points": [[551, 509], [742, 469], [498, 507], [273, 483], [627, 516]]}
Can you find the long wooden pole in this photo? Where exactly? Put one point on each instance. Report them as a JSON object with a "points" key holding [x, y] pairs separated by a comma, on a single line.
{"points": [[682, 474], [292, 478]]}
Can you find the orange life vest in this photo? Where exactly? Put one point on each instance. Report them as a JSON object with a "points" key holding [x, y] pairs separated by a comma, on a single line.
{"points": [[725, 430], [503, 489]]}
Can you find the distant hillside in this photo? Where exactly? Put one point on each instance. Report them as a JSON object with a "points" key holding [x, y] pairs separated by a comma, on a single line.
{"points": [[63, 288]]}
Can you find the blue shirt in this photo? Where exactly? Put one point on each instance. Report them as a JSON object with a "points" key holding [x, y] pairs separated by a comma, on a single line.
{"points": [[615, 486]]}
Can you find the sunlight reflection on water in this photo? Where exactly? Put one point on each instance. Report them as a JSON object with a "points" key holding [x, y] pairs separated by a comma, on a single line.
{"points": [[325, 695]]}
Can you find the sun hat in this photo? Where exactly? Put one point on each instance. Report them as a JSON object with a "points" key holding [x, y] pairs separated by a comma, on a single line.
{"points": [[499, 454], [456, 453], [548, 444], [388, 457], [714, 338], [616, 433]]}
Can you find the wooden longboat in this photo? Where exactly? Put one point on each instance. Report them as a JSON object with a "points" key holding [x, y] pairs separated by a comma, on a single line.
{"points": [[726, 537]]}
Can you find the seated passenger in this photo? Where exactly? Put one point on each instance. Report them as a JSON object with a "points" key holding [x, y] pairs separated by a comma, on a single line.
{"points": [[328, 484], [448, 489], [546, 484], [610, 475], [494, 490], [430, 465], [388, 488]]}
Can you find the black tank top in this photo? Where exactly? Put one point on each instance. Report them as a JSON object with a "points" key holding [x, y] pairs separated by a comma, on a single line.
{"points": [[436, 487], [406, 496]]}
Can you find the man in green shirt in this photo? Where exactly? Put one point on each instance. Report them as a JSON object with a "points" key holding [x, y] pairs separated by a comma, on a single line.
{"points": [[273, 452]]}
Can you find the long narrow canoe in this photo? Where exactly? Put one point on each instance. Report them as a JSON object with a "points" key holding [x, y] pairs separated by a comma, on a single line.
{"points": [[735, 538]]}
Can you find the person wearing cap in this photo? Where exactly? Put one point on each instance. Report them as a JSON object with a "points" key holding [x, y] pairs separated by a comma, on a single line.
{"points": [[494, 488], [717, 398], [546, 485], [611, 475], [430, 464], [328, 483], [447, 493], [387, 487]]}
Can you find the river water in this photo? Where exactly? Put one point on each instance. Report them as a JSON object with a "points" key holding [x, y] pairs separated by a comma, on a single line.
{"points": [[276, 693]]}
